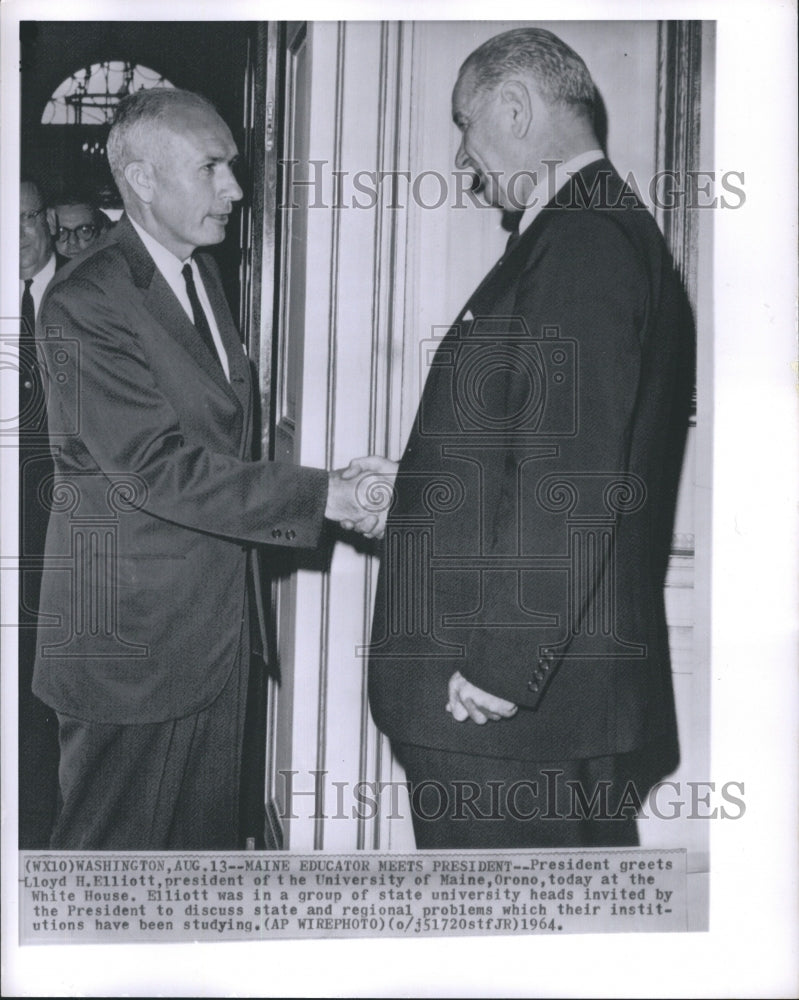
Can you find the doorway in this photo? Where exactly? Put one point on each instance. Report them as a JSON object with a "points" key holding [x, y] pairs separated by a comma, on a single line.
{"points": [[72, 76]]}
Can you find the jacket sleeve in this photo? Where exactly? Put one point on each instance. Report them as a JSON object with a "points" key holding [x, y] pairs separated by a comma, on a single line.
{"points": [[587, 287], [105, 402]]}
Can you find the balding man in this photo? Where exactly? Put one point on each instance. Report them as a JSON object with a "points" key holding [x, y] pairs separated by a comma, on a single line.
{"points": [[520, 662], [158, 505]]}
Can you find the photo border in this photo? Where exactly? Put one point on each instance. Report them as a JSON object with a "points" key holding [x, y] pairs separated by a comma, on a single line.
{"points": [[753, 593]]}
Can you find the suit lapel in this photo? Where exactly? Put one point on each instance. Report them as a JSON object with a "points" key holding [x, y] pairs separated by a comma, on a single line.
{"points": [[573, 196], [162, 304], [506, 269], [238, 363], [241, 381]]}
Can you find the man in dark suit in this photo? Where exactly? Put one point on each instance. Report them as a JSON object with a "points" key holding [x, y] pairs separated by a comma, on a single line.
{"points": [[521, 582], [156, 504], [38, 728]]}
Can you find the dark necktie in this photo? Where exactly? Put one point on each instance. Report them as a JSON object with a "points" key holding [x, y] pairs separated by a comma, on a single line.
{"points": [[513, 239], [200, 319], [28, 310], [31, 393]]}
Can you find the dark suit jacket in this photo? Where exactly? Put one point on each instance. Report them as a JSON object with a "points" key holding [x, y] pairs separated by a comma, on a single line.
{"points": [[528, 540], [156, 503]]}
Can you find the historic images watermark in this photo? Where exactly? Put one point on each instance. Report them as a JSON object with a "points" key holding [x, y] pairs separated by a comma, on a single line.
{"points": [[554, 798], [512, 404], [314, 184], [511, 391], [90, 564]]}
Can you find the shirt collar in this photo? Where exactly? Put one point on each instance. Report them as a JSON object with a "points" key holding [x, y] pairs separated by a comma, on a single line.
{"points": [[167, 263], [555, 178], [47, 271], [44, 274]]}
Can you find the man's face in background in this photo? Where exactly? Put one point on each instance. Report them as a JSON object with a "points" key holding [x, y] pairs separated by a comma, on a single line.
{"points": [[35, 240], [76, 229]]}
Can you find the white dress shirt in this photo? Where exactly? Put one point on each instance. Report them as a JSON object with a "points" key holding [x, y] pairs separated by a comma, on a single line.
{"points": [[40, 282], [547, 188], [171, 267]]}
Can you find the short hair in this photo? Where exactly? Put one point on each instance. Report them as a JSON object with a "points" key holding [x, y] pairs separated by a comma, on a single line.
{"points": [[75, 196], [560, 75], [146, 109]]}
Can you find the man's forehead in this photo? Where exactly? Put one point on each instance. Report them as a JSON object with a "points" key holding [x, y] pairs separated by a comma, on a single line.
{"points": [[187, 132], [68, 212], [29, 196], [463, 95], [203, 130]]}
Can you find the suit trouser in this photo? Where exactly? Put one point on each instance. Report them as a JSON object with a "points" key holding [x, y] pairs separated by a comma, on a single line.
{"points": [[38, 726], [160, 786], [463, 801]]}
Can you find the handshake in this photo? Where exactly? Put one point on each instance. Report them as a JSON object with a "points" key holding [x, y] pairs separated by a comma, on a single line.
{"points": [[359, 497]]}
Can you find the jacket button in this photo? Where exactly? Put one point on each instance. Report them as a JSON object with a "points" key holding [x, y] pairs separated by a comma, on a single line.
{"points": [[544, 666], [291, 535], [276, 532], [532, 686]]}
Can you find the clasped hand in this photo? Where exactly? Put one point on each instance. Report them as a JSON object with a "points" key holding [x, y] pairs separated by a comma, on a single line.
{"points": [[467, 701], [359, 497]]}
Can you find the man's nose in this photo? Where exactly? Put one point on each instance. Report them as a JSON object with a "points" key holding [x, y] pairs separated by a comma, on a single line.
{"points": [[230, 187], [462, 161]]}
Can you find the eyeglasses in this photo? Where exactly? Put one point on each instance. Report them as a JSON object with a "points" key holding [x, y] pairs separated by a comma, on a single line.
{"points": [[85, 232], [29, 218]]}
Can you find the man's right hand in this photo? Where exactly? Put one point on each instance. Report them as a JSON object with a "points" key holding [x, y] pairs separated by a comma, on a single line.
{"points": [[359, 496]]}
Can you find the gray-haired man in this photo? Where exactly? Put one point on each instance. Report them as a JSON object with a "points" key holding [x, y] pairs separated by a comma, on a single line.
{"points": [[520, 662]]}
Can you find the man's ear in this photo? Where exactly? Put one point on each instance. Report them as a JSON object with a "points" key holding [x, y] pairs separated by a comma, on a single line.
{"points": [[141, 179], [517, 101], [52, 221]]}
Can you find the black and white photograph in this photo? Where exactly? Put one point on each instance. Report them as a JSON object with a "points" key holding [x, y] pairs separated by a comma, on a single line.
{"points": [[399, 413]]}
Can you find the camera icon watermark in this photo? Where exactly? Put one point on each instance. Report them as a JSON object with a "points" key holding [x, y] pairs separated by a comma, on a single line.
{"points": [[493, 376], [36, 363]]}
